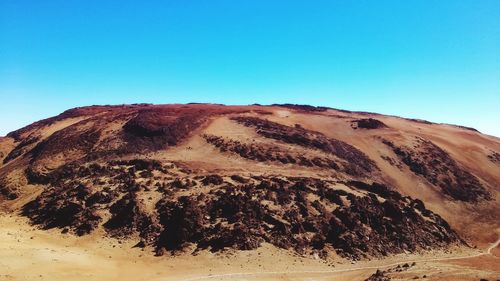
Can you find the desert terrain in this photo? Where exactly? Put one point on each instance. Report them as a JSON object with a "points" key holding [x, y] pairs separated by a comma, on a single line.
{"points": [[213, 192]]}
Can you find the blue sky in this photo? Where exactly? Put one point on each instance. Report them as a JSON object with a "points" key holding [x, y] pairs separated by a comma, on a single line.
{"points": [[435, 60]]}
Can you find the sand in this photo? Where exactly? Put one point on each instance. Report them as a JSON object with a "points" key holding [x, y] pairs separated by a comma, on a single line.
{"points": [[27, 253]]}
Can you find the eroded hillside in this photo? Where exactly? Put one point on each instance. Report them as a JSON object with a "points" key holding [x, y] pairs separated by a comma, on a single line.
{"points": [[308, 179]]}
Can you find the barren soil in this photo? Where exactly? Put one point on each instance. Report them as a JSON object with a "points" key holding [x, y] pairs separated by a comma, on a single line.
{"points": [[212, 192]]}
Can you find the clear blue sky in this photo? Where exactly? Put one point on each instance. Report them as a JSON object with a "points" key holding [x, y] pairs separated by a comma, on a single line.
{"points": [[435, 60]]}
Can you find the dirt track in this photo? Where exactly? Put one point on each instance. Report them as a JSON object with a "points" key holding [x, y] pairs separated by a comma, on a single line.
{"points": [[240, 274]]}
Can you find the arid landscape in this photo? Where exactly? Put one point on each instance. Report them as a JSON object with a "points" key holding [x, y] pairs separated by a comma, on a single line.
{"points": [[279, 192]]}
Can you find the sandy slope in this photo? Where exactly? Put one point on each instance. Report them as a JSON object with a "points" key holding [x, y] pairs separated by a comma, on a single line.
{"points": [[31, 254]]}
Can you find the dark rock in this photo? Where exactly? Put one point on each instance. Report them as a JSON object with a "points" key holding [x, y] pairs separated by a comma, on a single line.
{"points": [[369, 123], [434, 164], [378, 276], [357, 163], [140, 244], [239, 179], [494, 157], [288, 212], [213, 179]]}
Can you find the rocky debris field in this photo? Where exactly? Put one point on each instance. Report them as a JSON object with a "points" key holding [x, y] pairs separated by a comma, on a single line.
{"points": [[384, 275], [263, 153], [429, 161], [217, 212], [358, 162]]}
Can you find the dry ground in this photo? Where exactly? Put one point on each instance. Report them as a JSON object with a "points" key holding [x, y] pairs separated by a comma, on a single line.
{"points": [[27, 253]]}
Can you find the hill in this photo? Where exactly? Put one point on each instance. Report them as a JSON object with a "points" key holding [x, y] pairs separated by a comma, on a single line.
{"points": [[312, 180]]}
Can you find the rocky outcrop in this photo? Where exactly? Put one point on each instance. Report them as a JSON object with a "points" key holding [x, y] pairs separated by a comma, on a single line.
{"points": [[264, 153], [494, 157], [358, 162], [431, 162], [21, 148], [369, 123], [151, 130], [64, 207], [8, 192], [385, 275], [301, 214], [379, 275]]}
